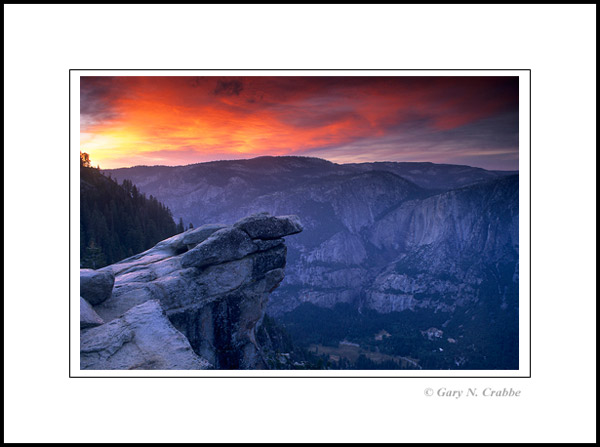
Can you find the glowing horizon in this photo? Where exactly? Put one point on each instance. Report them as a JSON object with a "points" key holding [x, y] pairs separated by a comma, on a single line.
{"points": [[180, 120]]}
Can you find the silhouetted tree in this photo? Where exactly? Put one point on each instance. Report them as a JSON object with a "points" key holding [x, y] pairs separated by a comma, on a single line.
{"points": [[84, 160]]}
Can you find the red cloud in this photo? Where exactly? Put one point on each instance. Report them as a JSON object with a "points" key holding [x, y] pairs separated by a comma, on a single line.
{"points": [[246, 116]]}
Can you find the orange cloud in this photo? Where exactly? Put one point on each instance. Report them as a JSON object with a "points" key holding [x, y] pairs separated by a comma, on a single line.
{"points": [[179, 120]]}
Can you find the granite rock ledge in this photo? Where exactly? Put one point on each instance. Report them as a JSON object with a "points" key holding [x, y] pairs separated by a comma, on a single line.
{"points": [[193, 301]]}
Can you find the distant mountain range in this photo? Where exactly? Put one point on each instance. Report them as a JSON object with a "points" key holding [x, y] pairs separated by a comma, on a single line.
{"points": [[385, 237]]}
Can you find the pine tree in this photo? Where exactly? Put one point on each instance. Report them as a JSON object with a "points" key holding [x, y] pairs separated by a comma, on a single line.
{"points": [[93, 256]]}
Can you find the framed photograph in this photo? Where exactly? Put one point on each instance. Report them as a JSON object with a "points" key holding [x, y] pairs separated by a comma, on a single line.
{"points": [[300, 223]]}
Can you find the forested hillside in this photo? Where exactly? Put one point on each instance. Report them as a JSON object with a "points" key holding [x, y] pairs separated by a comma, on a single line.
{"points": [[117, 221]]}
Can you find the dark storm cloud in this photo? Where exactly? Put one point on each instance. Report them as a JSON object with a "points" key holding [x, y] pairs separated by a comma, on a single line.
{"points": [[96, 99], [229, 88]]}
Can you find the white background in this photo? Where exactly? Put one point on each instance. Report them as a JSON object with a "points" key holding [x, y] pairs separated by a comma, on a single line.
{"points": [[42, 404]]}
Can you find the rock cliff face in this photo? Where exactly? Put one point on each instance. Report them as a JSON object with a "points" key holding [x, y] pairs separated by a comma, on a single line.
{"points": [[191, 302], [451, 248], [142, 338]]}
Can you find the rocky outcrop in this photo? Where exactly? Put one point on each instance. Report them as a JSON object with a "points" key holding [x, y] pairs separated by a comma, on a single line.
{"points": [[212, 283], [143, 338], [95, 286], [227, 244], [87, 316], [265, 226]]}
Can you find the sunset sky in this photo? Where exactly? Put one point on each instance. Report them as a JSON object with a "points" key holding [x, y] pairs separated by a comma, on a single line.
{"points": [[147, 120]]}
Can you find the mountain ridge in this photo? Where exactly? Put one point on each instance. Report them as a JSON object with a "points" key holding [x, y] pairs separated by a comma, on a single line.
{"points": [[302, 157]]}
